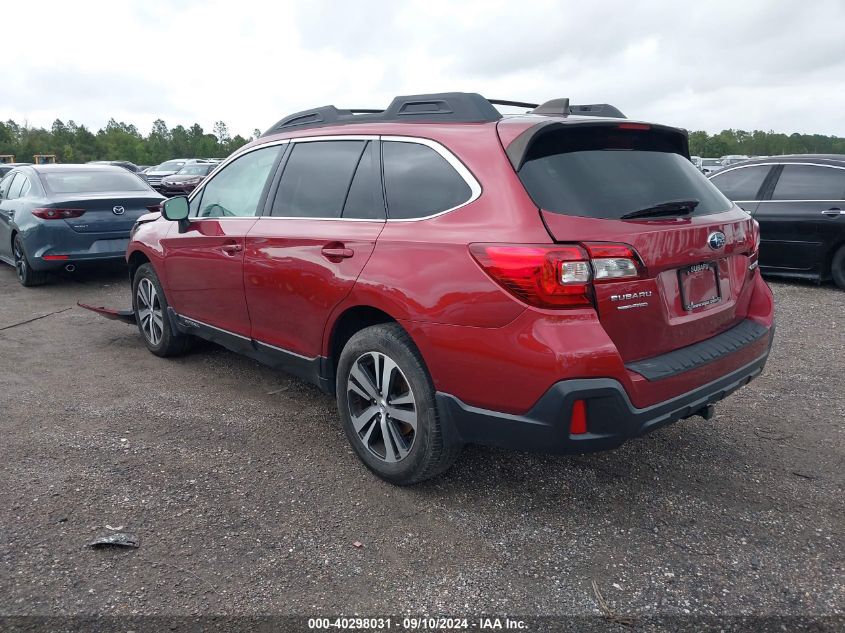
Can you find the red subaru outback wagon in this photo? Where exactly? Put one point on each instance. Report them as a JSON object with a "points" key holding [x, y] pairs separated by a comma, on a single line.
{"points": [[560, 280]]}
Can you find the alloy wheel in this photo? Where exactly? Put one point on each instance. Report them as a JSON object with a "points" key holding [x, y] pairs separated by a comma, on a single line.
{"points": [[382, 407], [20, 260], [150, 313]]}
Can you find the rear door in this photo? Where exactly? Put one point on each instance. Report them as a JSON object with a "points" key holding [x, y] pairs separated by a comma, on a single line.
{"points": [[803, 219], [304, 257], [204, 260], [695, 280]]}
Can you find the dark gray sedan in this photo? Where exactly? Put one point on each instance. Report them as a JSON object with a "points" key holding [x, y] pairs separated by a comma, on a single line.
{"points": [[56, 216]]}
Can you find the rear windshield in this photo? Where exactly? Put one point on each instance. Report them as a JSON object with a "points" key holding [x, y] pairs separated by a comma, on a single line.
{"points": [[91, 181], [195, 169], [606, 172], [171, 165]]}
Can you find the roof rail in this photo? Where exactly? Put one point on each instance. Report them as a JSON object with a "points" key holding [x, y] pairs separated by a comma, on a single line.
{"points": [[452, 107]]}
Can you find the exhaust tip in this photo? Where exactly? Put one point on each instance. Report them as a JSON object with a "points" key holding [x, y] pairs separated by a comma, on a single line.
{"points": [[70, 267]]}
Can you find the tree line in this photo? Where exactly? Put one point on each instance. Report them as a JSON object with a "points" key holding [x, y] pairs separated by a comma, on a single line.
{"points": [[72, 143], [759, 143]]}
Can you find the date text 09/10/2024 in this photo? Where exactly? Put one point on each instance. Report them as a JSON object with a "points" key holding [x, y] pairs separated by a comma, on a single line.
{"points": [[417, 624]]}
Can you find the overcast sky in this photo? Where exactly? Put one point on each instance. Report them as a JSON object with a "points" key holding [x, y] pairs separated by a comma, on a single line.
{"points": [[712, 64]]}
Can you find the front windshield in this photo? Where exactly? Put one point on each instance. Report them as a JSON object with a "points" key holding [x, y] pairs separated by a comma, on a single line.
{"points": [[171, 165], [196, 169]]}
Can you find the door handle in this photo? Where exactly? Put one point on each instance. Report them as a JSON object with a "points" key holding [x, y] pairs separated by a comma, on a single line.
{"points": [[337, 252], [832, 213], [232, 248]]}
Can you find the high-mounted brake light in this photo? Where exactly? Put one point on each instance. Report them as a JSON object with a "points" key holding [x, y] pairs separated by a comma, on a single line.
{"points": [[53, 213], [545, 276], [634, 126]]}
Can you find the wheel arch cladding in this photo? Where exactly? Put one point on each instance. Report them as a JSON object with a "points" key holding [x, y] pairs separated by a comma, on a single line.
{"points": [[136, 260], [351, 321]]}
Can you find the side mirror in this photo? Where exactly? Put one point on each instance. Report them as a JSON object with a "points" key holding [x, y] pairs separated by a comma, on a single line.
{"points": [[176, 209]]}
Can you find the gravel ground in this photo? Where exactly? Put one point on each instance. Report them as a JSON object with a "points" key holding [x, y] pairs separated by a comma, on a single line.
{"points": [[248, 501]]}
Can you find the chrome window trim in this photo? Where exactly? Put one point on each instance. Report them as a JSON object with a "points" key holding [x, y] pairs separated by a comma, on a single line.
{"points": [[446, 154], [776, 163]]}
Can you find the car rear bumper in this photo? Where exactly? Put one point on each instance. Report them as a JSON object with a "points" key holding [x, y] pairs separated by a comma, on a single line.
{"points": [[109, 248], [611, 417]]}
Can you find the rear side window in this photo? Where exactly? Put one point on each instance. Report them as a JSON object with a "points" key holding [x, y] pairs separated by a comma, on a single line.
{"points": [[92, 181], [810, 182], [743, 183], [316, 179], [419, 182], [14, 190], [237, 189], [606, 172]]}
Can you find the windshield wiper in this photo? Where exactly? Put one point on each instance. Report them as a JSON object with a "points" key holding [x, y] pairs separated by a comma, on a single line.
{"points": [[671, 208]]}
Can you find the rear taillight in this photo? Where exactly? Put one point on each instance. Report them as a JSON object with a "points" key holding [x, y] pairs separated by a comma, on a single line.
{"points": [[754, 256], [541, 276], [52, 213], [556, 276], [613, 261]]}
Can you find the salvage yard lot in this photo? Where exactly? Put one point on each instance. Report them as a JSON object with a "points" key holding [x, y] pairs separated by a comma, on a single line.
{"points": [[248, 499]]}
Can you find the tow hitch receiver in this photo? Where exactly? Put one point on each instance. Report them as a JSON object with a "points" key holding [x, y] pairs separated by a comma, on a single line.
{"points": [[707, 412], [127, 316]]}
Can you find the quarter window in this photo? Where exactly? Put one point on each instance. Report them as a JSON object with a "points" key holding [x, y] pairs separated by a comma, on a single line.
{"points": [[419, 182], [317, 177], [237, 189], [743, 183], [810, 182]]}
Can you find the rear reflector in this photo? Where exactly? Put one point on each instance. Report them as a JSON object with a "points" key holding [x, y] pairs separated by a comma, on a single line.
{"points": [[52, 258], [52, 213], [578, 420]]}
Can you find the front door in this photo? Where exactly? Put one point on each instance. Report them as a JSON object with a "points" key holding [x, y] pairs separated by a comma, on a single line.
{"points": [[303, 258], [204, 258]]}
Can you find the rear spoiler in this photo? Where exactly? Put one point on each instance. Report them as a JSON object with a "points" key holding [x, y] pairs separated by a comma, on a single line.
{"points": [[519, 148]]}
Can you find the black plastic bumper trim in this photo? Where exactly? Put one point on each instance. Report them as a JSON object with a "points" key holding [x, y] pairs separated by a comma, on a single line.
{"points": [[693, 356], [611, 417]]}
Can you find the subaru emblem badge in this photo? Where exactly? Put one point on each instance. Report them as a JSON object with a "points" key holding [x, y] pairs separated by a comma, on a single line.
{"points": [[717, 240]]}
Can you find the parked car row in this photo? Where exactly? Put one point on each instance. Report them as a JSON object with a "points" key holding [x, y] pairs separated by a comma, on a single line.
{"points": [[179, 175]]}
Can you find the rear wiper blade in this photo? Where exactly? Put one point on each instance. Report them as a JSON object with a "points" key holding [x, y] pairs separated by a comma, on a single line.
{"points": [[673, 207]]}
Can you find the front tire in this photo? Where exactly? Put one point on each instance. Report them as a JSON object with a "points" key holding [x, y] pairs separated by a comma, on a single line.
{"points": [[837, 267], [26, 275], [386, 401], [150, 306]]}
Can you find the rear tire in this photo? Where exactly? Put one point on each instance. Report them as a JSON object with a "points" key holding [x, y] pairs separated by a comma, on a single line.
{"points": [[386, 401], [26, 276], [150, 306], [837, 267]]}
